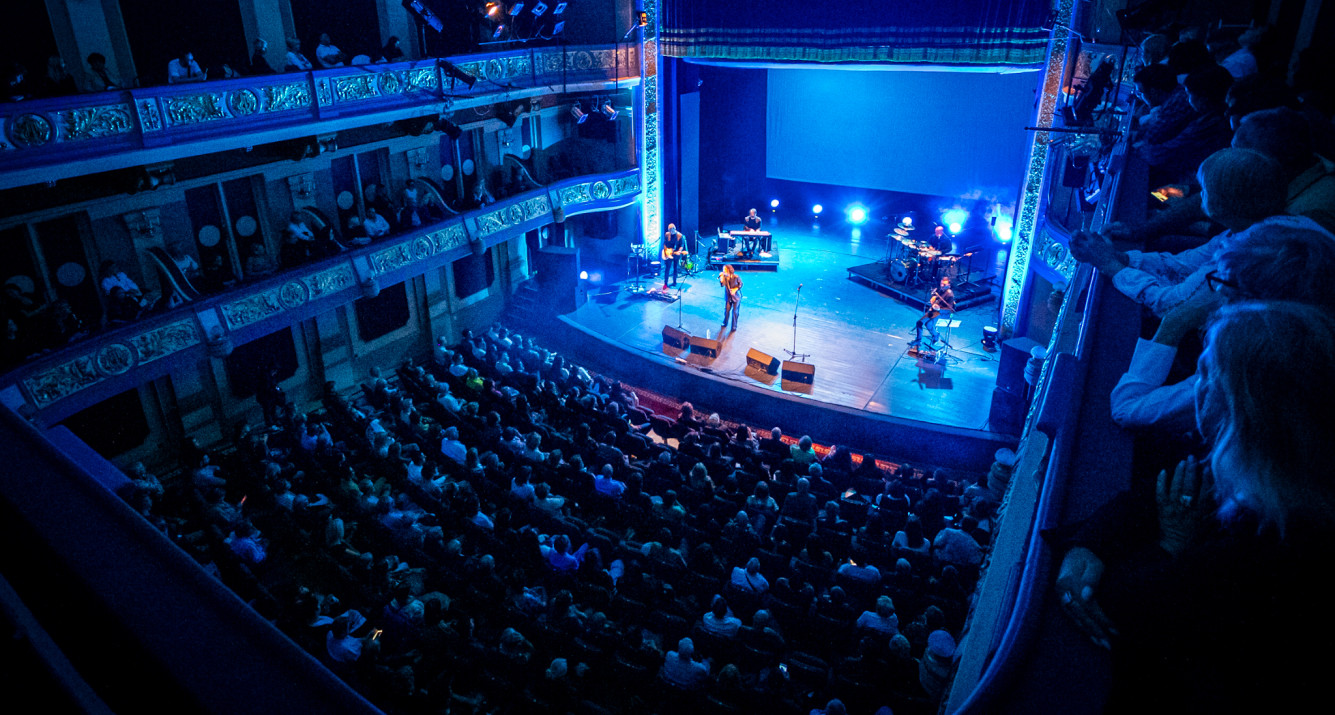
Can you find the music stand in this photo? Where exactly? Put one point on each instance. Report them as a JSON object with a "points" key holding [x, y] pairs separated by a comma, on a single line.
{"points": [[948, 323], [636, 253], [793, 354]]}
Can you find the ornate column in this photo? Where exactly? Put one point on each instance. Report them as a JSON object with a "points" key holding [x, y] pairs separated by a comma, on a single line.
{"points": [[651, 168], [1033, 187]]}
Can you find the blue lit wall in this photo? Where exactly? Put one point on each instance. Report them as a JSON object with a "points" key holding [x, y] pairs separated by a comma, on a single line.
{"points": [[925, 132]]}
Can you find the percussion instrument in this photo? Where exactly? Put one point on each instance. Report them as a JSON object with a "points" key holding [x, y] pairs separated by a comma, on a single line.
{"points": [[902, 269]]}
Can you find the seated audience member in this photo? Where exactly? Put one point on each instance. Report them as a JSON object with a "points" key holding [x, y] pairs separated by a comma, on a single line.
{"points": [[184, 69], [258, 263], [834, 706], [298, 241], [800, 505], [1266, 262], [390, 52], [1285, 135], [414, 213], [865, 573], [803, 453], [936, 664], [58, 81], [1177, 585], [259, 61], [1173, 160], [912, 538], [355, 233], [451, 448], [1241, 187], [719, 619], [376, 225], [681, 670], [1154, 49], [295, 61], [607, 485], [749, 579], [1169, 109], [327, 54], [482, 197], [883, 620], [956, 546], [124, 299], [99, 78]]}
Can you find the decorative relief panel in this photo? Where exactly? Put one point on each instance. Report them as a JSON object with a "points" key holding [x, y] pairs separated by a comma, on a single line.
{"points": [[622, 187], [293, 294], [243, 102], [94, 122], [421, 78], [150, 118], [195, 108], [347, 89], [27, 130], [418, 249], [164, 341], [513, 215], [281, 97], [62, 380], [322, 92], [577, 194]]}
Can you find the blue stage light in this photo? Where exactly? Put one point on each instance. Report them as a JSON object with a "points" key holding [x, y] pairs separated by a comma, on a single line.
{"points": [[955, 227], [955, 217], [857, 214], [817, 209], [908, 220], [774, 203], [1004, 229], [584, 275]]}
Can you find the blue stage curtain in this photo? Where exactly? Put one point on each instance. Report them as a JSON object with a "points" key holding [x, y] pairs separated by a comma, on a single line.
{"points": [[974, 33]]}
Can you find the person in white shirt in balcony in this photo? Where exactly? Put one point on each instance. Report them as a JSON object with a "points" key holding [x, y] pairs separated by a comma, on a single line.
{"points": [[376, 226], [295, 61], [327, 54], [184, 69]]}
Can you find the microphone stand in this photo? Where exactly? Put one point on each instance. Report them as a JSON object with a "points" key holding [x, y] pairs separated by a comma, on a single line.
{"points": [[678, 309], [793, 354]]}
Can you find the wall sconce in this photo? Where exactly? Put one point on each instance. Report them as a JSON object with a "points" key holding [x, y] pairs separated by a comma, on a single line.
{"points": [[302, 187], [144, 225]]}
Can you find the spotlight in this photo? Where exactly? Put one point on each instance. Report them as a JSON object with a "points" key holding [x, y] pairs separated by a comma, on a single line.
{"points": [[584, 275], [608, 111], [908, 220], [1004, 230], [955, 218], [642, 18], [493, 9], [955, 227], [516, 9], [540, 8], [560, 8], [774, 203], [558, 27], [577, 112], [817, 209], [857, 214], [500, 30]]}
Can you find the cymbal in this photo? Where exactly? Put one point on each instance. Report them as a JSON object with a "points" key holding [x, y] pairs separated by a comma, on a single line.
{"points": [[901, 231]]}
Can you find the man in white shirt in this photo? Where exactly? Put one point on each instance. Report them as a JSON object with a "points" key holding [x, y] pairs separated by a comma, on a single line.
{"points": [[376, 225], [184, 69], [327, 54]]}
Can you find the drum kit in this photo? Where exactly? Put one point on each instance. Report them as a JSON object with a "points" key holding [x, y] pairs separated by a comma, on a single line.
{"points": [[916, 262]]}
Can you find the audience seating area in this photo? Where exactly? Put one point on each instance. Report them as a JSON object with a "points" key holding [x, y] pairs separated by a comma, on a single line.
{"points": [[496, 530]]}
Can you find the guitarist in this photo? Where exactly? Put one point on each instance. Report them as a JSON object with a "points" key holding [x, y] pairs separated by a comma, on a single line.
{"points": [[732, 296], [673, 245], [943, 300]]}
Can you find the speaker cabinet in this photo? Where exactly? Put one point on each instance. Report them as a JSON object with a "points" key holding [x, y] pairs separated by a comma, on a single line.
{"points": [[674, 338], [762, 361], [799, 372], [558, 277], [705, 346]]}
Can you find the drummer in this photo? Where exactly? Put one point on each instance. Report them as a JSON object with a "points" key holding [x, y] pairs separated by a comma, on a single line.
{"points": [[940, 241]]}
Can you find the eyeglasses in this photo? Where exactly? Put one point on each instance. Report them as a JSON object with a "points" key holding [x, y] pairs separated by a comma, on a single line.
{"points": [[1216, 282]]}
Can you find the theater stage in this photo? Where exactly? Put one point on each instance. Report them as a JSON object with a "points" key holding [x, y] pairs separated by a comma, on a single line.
{"points": [[857, 337]]}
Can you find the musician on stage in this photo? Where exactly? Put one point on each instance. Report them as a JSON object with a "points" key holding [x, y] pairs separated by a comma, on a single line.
{"points": [[942, 301], [751, 222], [732, 296], [674, 245]]}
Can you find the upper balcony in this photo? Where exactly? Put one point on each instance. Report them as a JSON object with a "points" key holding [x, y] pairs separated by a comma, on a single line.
{"points": [[42, 141]]}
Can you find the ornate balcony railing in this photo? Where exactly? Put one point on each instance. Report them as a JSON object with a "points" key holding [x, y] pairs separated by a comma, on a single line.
{"points": [[51, 132], [106, 364]]}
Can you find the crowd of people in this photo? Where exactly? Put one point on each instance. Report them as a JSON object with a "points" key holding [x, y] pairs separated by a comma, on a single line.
{"points": [[1198, 575], [497, 530]]}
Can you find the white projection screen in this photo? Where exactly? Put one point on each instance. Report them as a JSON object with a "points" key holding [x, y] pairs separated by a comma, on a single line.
{"points": [[940, 133]]}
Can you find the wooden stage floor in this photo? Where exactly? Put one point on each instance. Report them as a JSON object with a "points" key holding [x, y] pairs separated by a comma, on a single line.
{"points": [[858, 338]]}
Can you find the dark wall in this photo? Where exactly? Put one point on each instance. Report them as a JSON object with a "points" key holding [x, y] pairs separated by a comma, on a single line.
{"points": [[158, 32], [25, 36], [732, 143], [353, 26]]}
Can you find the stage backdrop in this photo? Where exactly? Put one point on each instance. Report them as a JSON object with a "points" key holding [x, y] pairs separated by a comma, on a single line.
{"points": [[925, 132], [940, 32]]}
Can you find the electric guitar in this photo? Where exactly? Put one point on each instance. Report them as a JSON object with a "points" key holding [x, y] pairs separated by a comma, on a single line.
{"points": [[669, 254]]}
